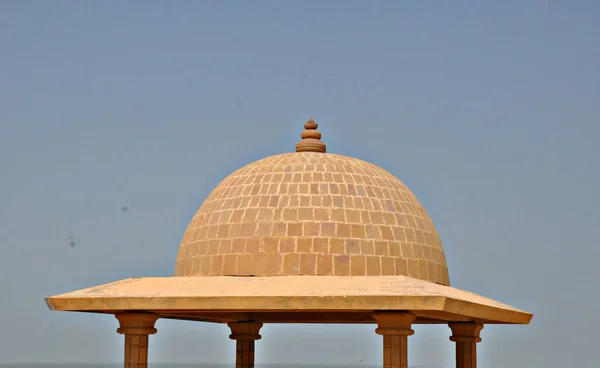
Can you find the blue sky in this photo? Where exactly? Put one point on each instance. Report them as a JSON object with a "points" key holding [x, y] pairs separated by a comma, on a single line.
{"points": [[487, 111]]}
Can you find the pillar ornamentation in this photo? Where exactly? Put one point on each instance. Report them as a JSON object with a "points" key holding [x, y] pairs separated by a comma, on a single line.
{"points": [[395, 327], [466, 336], [136, 327], [244, 334]]}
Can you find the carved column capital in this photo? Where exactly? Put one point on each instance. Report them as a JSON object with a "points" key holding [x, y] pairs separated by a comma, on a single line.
{"points": [[395, 328], [136, 327], [394, 323], [245, 330], [136, 323], [465, 331], [466, 336], [245, 333]]}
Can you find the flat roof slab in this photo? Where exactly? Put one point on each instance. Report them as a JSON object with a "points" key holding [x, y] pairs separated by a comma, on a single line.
{"points": [[288, 299]]}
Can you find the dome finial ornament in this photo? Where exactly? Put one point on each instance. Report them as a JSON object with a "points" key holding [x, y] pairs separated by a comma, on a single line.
{"points": [[311, 138]]}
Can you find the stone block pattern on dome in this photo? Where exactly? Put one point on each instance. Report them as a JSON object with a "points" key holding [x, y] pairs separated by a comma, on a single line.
{"points": [[312, 214]]}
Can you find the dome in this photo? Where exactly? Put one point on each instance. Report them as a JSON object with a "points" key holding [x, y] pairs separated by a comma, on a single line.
{"points": [[312, 213]]}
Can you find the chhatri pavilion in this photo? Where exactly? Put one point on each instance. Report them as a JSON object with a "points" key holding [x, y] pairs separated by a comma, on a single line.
{"points": [[303, 237]]}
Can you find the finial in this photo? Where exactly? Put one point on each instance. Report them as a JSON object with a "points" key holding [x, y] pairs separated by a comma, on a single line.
{"points": [[311, 138]]}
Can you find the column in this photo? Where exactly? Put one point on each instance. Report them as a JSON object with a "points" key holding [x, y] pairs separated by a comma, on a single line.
{"points": [[244, 333], [466, 336], [395, 329], [136, 327]]}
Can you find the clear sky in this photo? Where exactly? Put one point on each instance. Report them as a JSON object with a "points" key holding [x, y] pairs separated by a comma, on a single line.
{"points": [[488, 111]]}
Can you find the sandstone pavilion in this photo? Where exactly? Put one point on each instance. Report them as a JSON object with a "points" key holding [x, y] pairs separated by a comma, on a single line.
{"points": [[303, 237]]}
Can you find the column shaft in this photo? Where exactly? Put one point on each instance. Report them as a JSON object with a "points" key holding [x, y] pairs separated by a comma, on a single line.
{"points": [[136, 351], [244, 356], [466, 355], [395, 351]]}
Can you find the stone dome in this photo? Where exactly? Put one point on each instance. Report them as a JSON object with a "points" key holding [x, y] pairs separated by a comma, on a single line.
{"points": [[312, 213]]}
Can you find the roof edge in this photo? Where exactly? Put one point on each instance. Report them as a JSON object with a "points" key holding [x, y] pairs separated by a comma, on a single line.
{"points": [[286, 294], [484, 312]]}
